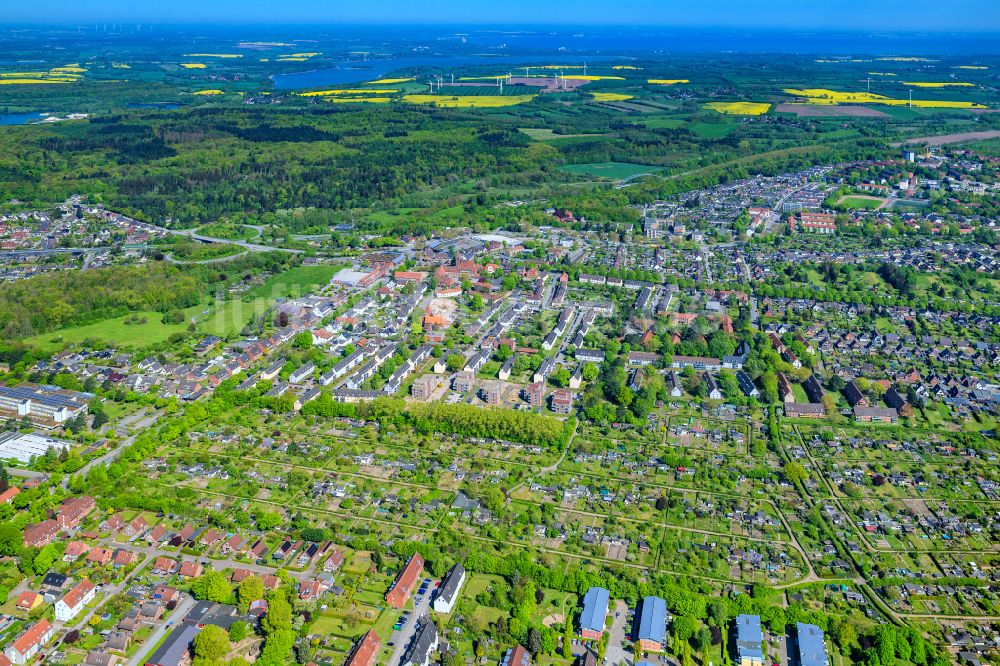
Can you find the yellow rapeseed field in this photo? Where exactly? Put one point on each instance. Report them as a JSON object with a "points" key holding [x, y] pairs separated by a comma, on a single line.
{"points": [[824, 96], [937, 84], [70, 73], [389, 82], [971, 67], [193, 65], [207, 92], [740, 108], [11, 82], [469, 101], [666, 82], [292, 59], [609, 97], [349, 91], [350, 100], [591, 77]]}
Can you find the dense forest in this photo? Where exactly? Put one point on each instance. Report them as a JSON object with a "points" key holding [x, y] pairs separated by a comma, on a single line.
{"points": [[194, 166]]}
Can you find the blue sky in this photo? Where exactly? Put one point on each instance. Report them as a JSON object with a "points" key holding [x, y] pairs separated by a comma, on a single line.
{"points": [[874, 15]]}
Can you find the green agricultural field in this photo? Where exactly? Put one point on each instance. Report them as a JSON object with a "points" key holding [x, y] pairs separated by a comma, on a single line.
{"points": [[662, 122], [545, 134], [611, 170], [712, 130]]}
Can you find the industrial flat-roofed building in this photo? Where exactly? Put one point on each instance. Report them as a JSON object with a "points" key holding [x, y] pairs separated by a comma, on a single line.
{"points": [[652, 627], [595, 610], [749, 641], [22, 447]]}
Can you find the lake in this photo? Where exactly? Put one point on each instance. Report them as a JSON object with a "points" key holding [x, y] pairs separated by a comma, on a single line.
{"points": [[20, 118]]}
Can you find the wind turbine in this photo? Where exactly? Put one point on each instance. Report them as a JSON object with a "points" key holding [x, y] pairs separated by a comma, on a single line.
{"points": [[869, 84]]}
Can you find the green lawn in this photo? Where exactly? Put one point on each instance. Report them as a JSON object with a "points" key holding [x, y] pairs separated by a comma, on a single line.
{"points": [[298, 280], [224, 318], [612, 170], [110, 330]]}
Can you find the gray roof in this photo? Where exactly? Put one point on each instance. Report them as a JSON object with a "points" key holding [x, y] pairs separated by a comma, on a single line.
{"points": [[422, 645], [653, 620], [595, 609], [176, 647], [812, 649], [449, 586]]}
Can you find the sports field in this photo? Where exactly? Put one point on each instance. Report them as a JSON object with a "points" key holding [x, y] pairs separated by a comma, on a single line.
{"points": [[861, 202]]}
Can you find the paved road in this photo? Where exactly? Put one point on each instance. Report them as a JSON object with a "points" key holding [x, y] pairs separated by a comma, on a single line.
{"points": [[217, 564], [405, 634], [254, 247], [179, 613], [218, 260], [137, 422], [617, 640], [107, 592]]}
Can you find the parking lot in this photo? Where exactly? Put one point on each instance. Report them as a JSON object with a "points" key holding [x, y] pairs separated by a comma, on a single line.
{"points": [[405, 628]]}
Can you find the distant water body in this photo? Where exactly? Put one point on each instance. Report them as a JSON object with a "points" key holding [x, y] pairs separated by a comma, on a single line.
{"points": [[19, 118], [357, 71], [508, 48]]}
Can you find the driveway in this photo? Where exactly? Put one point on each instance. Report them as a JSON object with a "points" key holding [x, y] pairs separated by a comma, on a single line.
{"points": [[179, 613], [617, 640], [402, 637]]}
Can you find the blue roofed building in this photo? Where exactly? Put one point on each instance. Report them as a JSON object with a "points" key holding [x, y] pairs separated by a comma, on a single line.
{"points": [[749, 641], [652, 628], [812, 647], [595, 610]]}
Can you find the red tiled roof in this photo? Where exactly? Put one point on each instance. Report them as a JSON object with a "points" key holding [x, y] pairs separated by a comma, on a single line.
{"points": [[365, 651], [31, 637], [76, 595]]}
